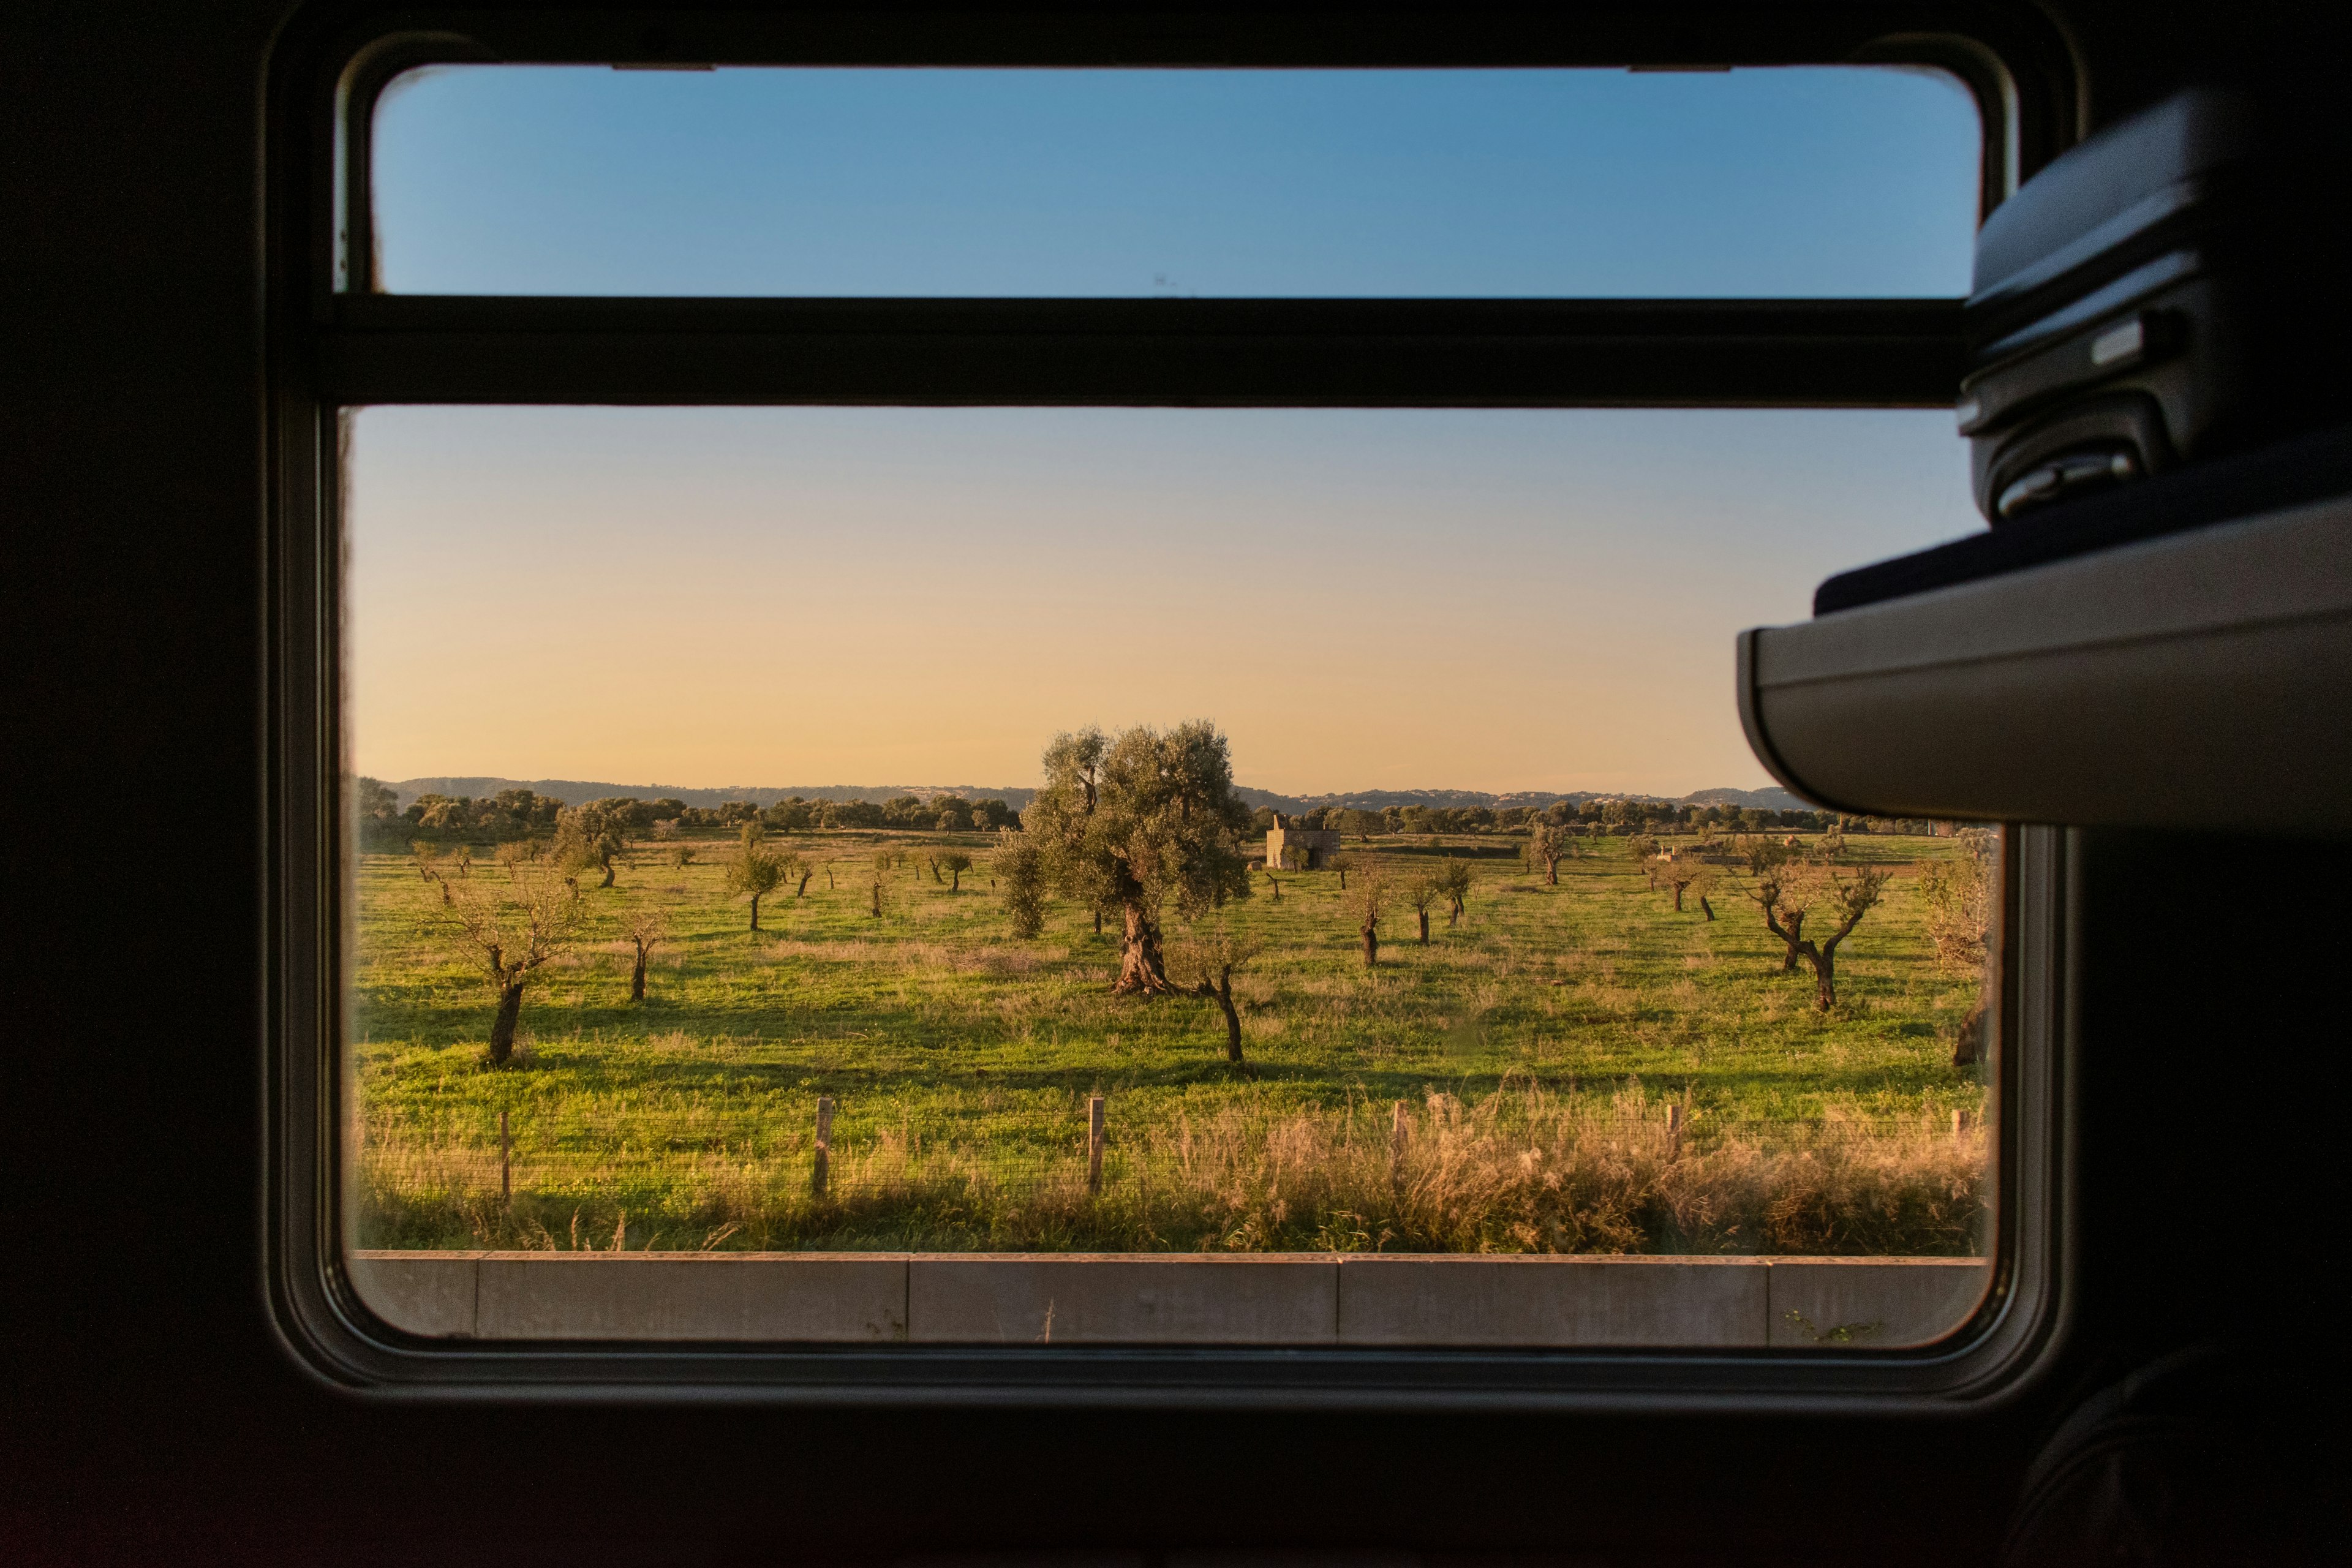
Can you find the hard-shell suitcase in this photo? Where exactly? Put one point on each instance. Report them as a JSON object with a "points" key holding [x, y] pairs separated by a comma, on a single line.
{"points": [[2142, 302]]}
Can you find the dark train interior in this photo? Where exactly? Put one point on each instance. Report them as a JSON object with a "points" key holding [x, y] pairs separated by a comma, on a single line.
{"points": [[2142, 662]]}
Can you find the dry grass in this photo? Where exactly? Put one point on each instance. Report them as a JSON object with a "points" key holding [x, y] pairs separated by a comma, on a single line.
{"points": [[1520, 1170]]}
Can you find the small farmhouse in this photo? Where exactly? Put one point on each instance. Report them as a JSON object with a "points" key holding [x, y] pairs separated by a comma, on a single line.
{"points": [[1299, 848]]}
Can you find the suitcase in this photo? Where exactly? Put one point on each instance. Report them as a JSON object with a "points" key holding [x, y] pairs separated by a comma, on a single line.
{"points": [[2158, 294]]}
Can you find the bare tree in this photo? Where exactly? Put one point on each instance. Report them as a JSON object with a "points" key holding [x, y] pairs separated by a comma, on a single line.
{"points": [[1272, 880], [1371, 897], [755, 869], [514, 853], [512, 933], [1960, 894], [462, 856], [1781, 900], [1420, 892], [1454, 882], [646, 924], [424, 854], [1688, 876], [1784, 900], [1847, 898], [1208, 956], [957, 863], [798, 869], [1343, 864], [1957, 892]]}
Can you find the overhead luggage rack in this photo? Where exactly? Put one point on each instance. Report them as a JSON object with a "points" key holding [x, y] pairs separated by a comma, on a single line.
{"points": [[2193, 680]]}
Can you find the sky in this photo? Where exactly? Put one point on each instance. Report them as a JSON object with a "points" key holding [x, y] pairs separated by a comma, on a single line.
{"points": [[1787, 181], [1467, 599]]}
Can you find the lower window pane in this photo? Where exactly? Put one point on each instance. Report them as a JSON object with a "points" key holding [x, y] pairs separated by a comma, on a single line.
{"points": [[1139, 876]]}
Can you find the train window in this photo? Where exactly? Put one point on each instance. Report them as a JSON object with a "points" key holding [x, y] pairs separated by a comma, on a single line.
{"points": [[1318, 840], [995, 727], [832, 182]]}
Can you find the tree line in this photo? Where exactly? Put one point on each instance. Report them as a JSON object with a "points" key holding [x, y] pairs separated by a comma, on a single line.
{"points": [[1143, 828], [513, 813]]}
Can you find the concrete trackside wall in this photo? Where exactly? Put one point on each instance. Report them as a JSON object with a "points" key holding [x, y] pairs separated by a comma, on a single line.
{"points": [[1180, 1299]]}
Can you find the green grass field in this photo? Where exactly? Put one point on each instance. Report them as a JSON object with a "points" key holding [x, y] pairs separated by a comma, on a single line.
{"points": [[1534, 1048]]}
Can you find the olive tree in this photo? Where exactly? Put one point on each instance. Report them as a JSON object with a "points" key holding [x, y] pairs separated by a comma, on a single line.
{"points": [[510, 931], [1785, 898], [1454, 884], [1420, 891], [956, 863], [1371, 897], [1136, 823], [1547, 846], [755, 869], [1687, 876], [646, 925], [1847, 898], [1782, 897], [588, 836], [1019, 874]]}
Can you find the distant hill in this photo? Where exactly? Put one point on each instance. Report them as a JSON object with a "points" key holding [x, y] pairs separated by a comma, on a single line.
{"points": [[575, 791]]}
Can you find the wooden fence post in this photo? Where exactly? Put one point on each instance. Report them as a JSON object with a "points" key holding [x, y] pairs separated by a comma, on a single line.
{"points": [[824, 1143], [1094, 1142], [506, 1163]]}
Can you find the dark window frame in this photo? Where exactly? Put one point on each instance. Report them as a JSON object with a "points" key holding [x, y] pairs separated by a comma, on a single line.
{"points": [[333, 347]]}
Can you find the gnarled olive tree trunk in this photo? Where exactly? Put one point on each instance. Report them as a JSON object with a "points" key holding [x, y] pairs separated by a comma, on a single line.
{"points": [[1142, 969], [1372, 943]]}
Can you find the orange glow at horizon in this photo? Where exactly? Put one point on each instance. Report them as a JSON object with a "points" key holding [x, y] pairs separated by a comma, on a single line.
{"points": [[1500, 601]]}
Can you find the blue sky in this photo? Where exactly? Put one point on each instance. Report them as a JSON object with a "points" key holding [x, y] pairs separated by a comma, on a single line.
{"points": [[1503, 600], [1790, 181]]}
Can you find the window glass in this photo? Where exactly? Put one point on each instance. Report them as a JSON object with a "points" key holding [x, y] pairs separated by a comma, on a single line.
{"points": [[732, 874], [1813, 181]]}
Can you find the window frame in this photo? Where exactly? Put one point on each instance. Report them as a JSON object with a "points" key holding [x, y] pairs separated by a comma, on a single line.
{"points": [[331, 347]]}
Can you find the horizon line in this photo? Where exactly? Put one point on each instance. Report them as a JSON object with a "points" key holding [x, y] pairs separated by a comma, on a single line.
{"points": [[982, 789]]}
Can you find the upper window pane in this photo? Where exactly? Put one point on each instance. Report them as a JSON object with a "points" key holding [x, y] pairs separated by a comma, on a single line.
{"points": [[1819, 182]]}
